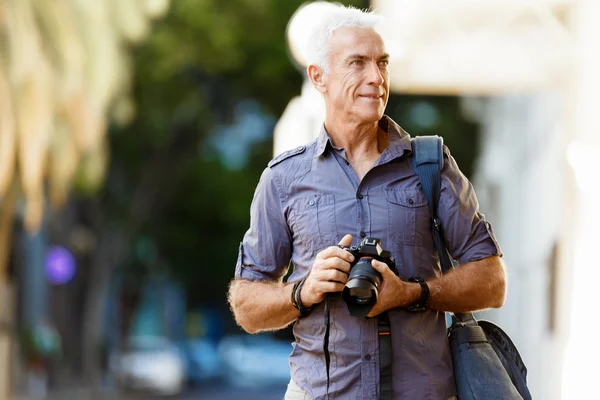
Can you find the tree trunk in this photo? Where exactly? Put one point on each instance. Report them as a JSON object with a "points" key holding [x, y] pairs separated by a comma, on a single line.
{"points": [[7, 207], [110, 251]]}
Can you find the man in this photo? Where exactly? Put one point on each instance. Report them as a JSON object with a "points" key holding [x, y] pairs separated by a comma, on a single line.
{"points": [[356, 180]]}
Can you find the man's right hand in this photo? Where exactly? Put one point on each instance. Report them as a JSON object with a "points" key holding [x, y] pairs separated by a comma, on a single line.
{"points": [[329, 273]]}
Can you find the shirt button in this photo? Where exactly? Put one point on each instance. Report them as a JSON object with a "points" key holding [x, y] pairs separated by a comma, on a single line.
{"points": [[368, 357], [362, 234], [360, 196], [311, 203], [410, 201]]}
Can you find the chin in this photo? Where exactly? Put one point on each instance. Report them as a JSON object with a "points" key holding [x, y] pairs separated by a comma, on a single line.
{"points": [[370, 115]]}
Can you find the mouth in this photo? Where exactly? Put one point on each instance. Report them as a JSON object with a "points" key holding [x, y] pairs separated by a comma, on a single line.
{"points": [[372, 96]]}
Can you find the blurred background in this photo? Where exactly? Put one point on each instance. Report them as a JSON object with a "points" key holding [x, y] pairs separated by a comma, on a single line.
{"points": [[133, 133]]}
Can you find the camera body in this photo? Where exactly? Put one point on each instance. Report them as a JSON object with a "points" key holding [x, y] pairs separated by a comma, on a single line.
{"points": [[362, 288]]}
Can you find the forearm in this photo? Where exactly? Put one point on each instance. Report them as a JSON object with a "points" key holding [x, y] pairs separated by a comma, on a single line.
{"points": [[470, 287], [261, 306]]}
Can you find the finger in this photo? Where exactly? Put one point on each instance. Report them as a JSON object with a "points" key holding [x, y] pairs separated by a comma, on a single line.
{"points": [[330, 287], [334, 251], [334, 275], [374, 312], [335, 263], [381, 267], [346, 241]]}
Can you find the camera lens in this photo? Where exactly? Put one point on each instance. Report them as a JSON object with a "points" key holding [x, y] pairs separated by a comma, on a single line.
{"points": [[360, 295], [360, 292]]}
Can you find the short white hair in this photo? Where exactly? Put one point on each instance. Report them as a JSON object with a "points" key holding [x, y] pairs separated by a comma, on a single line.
{"points": [[317, 51]]}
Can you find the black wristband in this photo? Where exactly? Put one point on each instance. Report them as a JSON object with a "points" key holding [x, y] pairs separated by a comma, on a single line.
{"points": [[297, 301], [294, 294], [423, 302]]}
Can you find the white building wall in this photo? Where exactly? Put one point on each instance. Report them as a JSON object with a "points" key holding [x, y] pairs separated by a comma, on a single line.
{"points": [[519, 181]]}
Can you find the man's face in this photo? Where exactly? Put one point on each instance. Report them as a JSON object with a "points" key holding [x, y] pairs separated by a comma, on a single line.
{"points": [[357, 85]]}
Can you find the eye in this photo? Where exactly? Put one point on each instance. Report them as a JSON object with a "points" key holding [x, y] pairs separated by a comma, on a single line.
{"points": [[383, 63], [356, 62]]}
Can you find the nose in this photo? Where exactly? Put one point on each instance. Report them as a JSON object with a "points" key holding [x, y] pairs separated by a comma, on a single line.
{"points": [[375, 74]]}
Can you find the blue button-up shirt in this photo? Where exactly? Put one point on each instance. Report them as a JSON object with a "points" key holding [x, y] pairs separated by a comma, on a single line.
{"points": [[307, 200]]}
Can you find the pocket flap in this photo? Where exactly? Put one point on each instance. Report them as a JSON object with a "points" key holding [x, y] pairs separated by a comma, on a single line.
{"points": [[406, 197], [312, 202]]}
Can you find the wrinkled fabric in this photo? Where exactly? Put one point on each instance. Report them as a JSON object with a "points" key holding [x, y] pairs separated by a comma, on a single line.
{"points": [[509, 356], [307, 200], [480, 374], [293, 392]]}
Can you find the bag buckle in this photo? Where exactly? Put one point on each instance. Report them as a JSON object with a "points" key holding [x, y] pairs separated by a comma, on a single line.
{"points": [[383, 328]]}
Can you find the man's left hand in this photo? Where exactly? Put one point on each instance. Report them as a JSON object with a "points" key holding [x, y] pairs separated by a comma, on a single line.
{"points": [[393, 292]]}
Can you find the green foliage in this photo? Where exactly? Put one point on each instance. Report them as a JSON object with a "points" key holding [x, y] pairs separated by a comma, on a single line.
{"points": [[205, 57], [202, 233]]}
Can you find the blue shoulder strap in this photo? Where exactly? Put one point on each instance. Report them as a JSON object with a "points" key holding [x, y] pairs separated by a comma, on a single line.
{"points": [[428, 161]]}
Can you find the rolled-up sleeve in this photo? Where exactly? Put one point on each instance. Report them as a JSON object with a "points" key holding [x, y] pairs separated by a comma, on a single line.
{"points": [[468, 234], [265, 250]]}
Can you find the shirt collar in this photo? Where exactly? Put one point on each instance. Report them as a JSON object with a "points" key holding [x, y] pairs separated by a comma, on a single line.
{"points": [[398, 139]]}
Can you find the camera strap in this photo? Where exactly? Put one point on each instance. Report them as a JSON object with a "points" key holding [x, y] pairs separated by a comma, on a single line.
{"points": [[385, 352], [385, 357], [326, 344]]}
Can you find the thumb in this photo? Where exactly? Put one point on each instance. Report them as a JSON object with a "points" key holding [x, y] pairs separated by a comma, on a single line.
{"points": [[380, 267], [346, 241]]}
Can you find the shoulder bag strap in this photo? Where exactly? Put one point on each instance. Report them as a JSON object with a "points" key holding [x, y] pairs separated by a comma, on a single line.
{"points": [[428, 161]]}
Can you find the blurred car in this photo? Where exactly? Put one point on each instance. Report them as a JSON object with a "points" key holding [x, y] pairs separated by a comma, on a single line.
{"points": [[153, 364], [202, 360], [255, 360]]}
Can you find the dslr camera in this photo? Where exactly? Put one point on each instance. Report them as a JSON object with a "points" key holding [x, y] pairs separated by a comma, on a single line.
{"points": [[362, 288]]}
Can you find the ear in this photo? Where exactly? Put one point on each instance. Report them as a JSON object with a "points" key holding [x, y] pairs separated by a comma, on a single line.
{"points": [[317, 77]]}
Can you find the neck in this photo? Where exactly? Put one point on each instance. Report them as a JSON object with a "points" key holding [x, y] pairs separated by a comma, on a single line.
{"points": [[357, 138]]}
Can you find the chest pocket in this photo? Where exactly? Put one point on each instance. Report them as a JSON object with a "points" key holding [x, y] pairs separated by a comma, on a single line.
{"points": [[408, 216], [313, 222]]}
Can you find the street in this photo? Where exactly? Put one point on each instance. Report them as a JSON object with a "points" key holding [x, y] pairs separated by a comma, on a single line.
{"points": [[213, 391], [221, 392]]}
